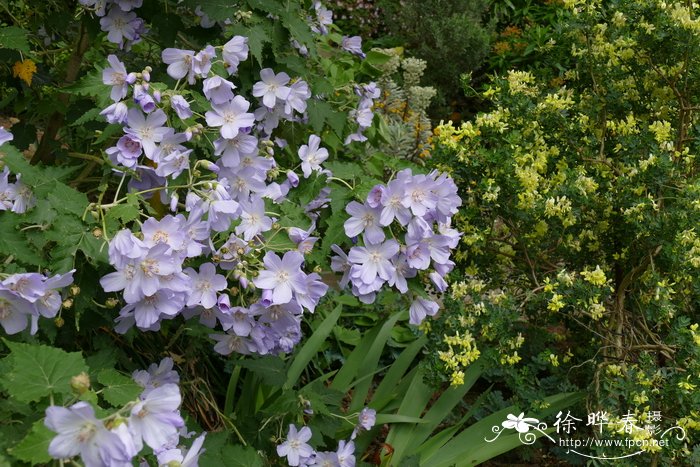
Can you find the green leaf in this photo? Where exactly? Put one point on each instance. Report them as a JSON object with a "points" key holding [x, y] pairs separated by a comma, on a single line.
{"points": [[123, 212], [15, 38], [269, 368], [268, 6], [118, 388], [34, 448], [322, 113], [13, 243], [298, 28], [278, 240], [216, 10], [89, 85], [89, 116], [38, 177], [344, 170], [292, 215], [312, 346], [258, 36], [39, 370], [231, 455]]}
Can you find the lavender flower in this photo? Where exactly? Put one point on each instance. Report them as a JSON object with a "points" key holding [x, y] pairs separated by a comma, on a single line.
{"points": [[353, 45], [148, 130], [115, 76], [177, 456], [80, 433], [5, 136], [272, 87], [120, 26], [116, 113], [364, 219], [373, 261], [367, 418], [155, 419], [294, 447], [346, 454], [253, 218], [179, 63], [231, 117], [299, 93], [205, 284], [235, 51], [312, 156], [14, 312], [181, 106], [420, 308], [201, 64], [282, 276], [218, 90], [156, 375]]}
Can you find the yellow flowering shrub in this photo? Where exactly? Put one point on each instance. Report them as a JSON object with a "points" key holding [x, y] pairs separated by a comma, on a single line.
{"points": [[581, 210]]}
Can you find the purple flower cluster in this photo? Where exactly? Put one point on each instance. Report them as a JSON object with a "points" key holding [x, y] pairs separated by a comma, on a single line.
{"points": [[154, 420], [27, 296], [118, 20], [419, 205], [299, 453], [363, 114], [150, 268]]}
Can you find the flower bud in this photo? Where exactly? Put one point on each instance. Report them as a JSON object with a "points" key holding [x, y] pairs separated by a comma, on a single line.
{"points": [[97, 232], [80, 383], [74, 290], [59, 322], [111, 302], [67, 303]]}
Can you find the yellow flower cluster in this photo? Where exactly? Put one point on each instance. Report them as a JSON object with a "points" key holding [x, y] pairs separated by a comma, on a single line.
{"points": [[461, 352], [595, 277]]}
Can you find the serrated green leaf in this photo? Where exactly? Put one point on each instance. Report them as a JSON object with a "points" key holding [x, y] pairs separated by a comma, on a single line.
{"points": [[70, 235], [13, 243], [292, 215], [298, 28], [268, 6], [34, 448], [344, 170], [118, 388], [36, 176], [39, 370], [89, 116], [322, 113], [278, 240], [216, 10], [124, 212], [258, 36], [89, 85], [15, 38], [270, 368]]}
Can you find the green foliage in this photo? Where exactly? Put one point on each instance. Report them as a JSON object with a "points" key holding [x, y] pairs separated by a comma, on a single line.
{"points": [[579, 262], [118, 389], [13, 37], [38, 371], [34, 448], [453, 37]]}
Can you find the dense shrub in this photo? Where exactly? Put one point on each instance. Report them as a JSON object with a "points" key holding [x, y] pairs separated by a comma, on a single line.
{"points": [[579, 260], [453, 37]]}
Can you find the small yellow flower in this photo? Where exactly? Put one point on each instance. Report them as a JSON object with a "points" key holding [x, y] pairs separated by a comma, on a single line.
{"points": [[24, 70]]}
